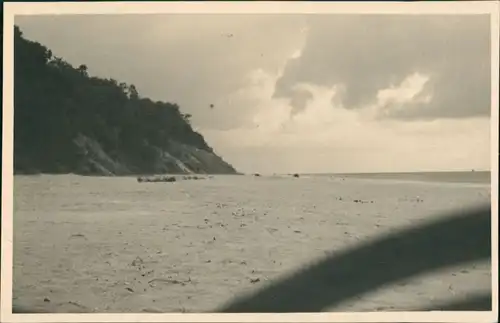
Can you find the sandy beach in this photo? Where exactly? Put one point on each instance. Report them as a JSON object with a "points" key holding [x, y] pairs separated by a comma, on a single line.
{"points": [[97, 244]]}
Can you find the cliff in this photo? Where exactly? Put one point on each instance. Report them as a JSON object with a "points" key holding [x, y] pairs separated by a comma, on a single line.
{"points": [[66, 121]]}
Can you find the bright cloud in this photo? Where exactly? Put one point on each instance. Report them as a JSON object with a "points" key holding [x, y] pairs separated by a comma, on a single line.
{"points": [[352, 139]]}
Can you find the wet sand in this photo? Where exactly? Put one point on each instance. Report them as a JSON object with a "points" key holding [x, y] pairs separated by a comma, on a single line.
{"points": [[86, 244]]}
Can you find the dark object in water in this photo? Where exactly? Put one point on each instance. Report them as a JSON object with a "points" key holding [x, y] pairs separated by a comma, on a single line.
{"points": [[296, 175], [256, 175], [192, 178], [161, 179]]}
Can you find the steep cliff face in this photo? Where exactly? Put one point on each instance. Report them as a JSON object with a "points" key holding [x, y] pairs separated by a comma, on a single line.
{"points": [[177, 159], [182, 158], [68, 122]]}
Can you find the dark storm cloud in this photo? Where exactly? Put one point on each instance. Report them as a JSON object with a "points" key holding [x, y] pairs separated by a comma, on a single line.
{"points": [[368, 53]]}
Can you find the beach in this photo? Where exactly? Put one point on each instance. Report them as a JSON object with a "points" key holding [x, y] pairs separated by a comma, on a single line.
{"points": [[113, 245]]}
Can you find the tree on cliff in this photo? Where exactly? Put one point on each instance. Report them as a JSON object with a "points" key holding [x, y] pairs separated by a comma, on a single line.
{"points": [[55, 102]]}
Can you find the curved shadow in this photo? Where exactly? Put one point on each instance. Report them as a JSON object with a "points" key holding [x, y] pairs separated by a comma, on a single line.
{"points": [[461, 238]]}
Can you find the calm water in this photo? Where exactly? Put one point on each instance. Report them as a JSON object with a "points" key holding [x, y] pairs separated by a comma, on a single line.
{"points": [[444, 177]]}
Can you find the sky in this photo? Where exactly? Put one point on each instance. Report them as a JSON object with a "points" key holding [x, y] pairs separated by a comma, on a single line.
{"points": [[302, 93]]}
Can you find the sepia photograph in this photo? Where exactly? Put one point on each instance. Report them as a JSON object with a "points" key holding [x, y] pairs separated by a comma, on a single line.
{"points": [[211, 160]]}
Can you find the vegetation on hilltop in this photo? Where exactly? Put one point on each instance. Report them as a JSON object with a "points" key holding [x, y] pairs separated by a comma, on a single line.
{"points": [[56, 103]]}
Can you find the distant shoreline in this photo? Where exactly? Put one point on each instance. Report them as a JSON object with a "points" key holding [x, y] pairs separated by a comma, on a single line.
{"points": [[123, 175], [441, 176], [480, 176], [477, 177], [418, 172]]}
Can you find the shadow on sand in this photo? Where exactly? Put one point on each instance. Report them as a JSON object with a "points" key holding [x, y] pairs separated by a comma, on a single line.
{"points": [[459, 238]]}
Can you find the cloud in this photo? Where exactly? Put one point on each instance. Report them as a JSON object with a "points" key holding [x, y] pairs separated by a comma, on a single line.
{"points": [[368, 53], [323, 137]]}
